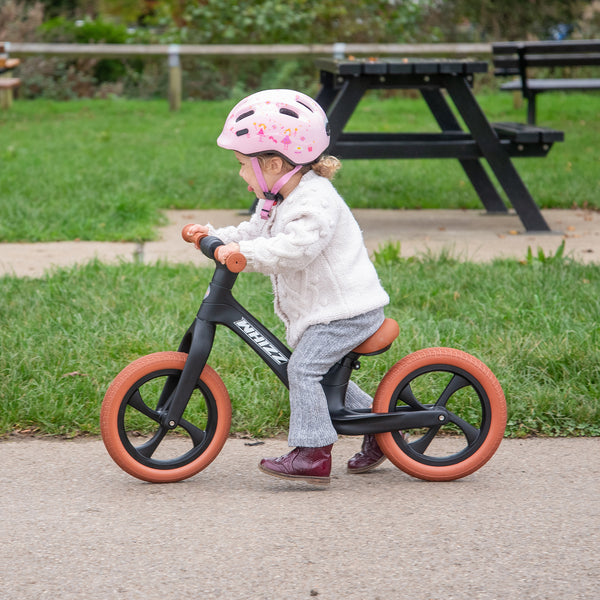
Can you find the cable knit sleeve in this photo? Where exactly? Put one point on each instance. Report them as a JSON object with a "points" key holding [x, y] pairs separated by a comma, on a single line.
{"points": [[246, 230], [304, 227]]}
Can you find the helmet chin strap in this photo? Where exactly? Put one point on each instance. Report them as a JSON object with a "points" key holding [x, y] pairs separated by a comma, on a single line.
{"points": [[272, 196]]}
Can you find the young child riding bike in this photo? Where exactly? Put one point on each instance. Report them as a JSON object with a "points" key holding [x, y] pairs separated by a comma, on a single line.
{"points": [[304, 236]]}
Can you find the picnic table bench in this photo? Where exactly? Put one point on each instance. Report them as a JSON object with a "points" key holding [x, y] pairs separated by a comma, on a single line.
{"points": [[344, 82], [518, 58]]}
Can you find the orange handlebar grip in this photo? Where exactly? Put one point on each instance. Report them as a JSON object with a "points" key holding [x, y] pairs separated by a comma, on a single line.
{"points": [[236, 262], [192, 238]]}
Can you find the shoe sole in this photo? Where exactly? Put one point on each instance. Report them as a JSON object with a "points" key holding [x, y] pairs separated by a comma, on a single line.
{"points": [[307, 478], [367, 468]]}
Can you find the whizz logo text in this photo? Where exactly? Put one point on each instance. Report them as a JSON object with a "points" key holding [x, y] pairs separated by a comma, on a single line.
{"points": [[261, 341]]}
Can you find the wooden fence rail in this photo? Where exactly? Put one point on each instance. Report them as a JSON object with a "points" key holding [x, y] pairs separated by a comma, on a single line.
{"points": [[121, 50], [175, 51]]}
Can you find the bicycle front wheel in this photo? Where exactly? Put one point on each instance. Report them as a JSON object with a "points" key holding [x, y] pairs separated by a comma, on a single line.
{"points": [[130, 420], [476, 413]]}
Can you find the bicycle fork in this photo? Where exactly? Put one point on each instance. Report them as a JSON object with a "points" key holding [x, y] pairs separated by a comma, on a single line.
{"points": [[197, 344]]}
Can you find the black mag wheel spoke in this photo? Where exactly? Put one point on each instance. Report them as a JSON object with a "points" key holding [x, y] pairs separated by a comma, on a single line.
{"points": [[148, 448], [471, 432], [138, 403], [196, 434], [423, 442], [456, 383], [407, 396]]}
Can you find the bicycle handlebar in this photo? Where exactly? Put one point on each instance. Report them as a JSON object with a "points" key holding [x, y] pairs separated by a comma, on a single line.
{"points": [[235, 262]]}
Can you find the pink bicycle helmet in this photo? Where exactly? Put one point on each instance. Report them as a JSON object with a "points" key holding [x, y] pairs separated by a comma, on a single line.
{"points": [[285, 122]]}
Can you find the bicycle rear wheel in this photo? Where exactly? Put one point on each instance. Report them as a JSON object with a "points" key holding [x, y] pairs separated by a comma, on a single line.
{"points": [[467, 389], [130, 420]]}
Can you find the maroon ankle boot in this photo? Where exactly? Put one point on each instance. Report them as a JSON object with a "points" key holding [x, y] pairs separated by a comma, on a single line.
{"points": [[369, 457], [312, 465]]}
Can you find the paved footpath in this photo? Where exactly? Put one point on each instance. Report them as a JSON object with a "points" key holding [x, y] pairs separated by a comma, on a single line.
{"points": [[526, 526], [74, 526], [466, 234]]}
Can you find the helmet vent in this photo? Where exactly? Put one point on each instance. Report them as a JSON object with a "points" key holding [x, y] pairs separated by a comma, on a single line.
{"points": [[241, 132], [289, 112], [305, 105], [244, 115]]}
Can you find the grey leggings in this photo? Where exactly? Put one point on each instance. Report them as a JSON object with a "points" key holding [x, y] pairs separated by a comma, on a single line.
{"points": [[320, 347]]}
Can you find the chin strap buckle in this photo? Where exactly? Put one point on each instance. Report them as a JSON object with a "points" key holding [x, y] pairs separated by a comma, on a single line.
{"points": [[271, 200], [272, 196]]}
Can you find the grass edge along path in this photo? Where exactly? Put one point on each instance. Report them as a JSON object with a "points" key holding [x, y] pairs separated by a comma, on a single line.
{"points": [[536, 323]]}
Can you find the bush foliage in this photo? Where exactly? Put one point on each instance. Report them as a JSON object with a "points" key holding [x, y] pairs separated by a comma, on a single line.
{"points": [[253, 22], [204, 22]]}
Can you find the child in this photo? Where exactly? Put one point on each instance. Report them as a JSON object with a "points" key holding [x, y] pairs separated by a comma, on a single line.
{"points": [[303, 235]]}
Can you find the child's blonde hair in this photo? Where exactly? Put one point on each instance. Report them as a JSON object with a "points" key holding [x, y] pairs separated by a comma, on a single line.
{"points": [[327, 166]]}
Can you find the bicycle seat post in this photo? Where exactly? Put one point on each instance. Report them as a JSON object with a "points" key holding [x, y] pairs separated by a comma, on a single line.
{"points": [[335, 383]]}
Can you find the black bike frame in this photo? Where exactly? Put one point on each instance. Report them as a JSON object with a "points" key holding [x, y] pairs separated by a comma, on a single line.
{"points": [[219, 307]]}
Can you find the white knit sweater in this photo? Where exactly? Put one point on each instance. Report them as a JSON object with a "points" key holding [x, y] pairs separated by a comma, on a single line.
{"points": [[313, 250]]}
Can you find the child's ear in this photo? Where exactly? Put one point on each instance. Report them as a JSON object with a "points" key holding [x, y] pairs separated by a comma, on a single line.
{"points": [[274, 164]]}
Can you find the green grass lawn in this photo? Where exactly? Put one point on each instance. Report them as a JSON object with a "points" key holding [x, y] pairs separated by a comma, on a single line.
{"points": [[64, 337], [104, 169]]}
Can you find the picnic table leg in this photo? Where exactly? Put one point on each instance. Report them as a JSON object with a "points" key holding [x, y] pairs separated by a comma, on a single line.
{"points": [[474, 170], [531, 108], [497, 157], [328, 92], [340, 106]]}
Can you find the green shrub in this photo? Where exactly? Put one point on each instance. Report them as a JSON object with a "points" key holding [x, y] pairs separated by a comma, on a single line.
{"points": [[80, 76], [211, 22]]}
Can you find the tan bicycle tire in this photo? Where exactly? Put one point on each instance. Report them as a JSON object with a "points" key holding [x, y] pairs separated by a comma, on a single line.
{"points": [[116, 394], [455, 359]]}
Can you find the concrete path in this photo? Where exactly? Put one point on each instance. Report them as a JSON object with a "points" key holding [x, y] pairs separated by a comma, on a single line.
{"points": [[468, 235], [526, 526], [74, 526]]}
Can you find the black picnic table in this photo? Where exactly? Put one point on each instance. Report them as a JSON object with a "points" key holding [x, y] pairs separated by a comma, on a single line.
{"points": [[344, 82]]}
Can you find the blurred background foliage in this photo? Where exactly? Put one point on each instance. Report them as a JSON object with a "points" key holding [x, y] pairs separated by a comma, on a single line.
{"points": [[255, 22]]}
